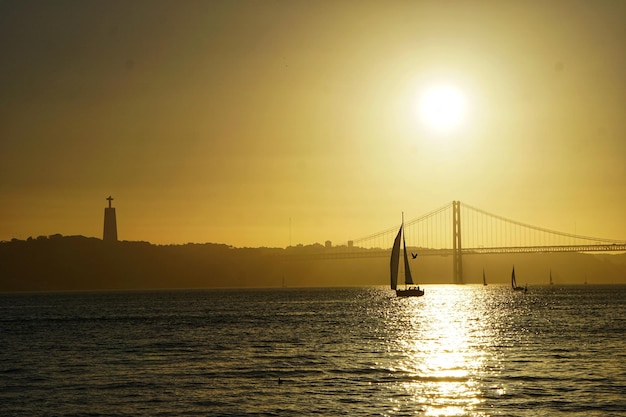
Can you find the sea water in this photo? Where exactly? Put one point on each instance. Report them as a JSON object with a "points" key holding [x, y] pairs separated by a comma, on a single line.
{"points": [[457, 351]]}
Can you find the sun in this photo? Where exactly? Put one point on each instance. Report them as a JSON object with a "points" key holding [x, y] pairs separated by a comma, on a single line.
{"points": [[441, 108]]}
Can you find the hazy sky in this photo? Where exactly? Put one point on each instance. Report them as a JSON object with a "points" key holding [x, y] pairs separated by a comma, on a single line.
{"points": [[219, 121]]}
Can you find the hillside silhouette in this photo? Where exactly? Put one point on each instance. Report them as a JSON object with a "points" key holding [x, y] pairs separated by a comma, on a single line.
{"points": [[64, 263]]}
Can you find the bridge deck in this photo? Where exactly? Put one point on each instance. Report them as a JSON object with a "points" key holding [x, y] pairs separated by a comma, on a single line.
{"points": [[334, 253]]}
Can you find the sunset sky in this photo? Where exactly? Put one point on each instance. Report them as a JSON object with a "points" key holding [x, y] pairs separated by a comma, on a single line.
{"points": [[227, 121]]}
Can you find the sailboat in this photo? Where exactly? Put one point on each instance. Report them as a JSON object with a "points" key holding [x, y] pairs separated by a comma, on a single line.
{"points": [[551, 283], [484, 279], [514, 283], [394, 266]]}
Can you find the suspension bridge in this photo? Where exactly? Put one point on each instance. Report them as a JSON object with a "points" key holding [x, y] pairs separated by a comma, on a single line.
{"points": [[460, 229]]}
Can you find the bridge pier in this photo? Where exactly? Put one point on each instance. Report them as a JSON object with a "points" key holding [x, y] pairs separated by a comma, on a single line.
{"points": [[457, 260]]}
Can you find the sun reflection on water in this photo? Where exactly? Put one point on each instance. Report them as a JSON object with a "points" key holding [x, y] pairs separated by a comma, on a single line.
{"points": [[442, 340]]}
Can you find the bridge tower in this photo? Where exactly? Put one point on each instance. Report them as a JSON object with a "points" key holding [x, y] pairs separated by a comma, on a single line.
{"points": [[457, 261], [110, 224]]}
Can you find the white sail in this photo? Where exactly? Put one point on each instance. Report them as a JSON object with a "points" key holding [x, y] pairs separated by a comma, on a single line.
{"points": [[513, 282], [394, 263], [408, 279]]}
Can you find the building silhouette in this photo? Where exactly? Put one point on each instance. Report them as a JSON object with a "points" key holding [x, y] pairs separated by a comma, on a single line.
{"points": [[110, 224]]}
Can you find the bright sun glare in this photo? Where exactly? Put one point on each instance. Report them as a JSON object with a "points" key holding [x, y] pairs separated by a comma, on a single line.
{"points": [[441, 108]]}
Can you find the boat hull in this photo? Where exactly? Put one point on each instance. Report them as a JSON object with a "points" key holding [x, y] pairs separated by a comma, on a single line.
{"points": [[411, 292]]}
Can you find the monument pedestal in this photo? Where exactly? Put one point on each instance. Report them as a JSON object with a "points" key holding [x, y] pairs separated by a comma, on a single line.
{"points": [[110, 224]]}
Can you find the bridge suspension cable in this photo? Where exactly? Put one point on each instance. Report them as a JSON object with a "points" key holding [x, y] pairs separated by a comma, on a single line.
{"points": [[384, 239], [532, 240], [479, 228]]}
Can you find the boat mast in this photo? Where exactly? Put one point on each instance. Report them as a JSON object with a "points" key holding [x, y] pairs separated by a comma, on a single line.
{"points": [[408, 279], [394, 262]]}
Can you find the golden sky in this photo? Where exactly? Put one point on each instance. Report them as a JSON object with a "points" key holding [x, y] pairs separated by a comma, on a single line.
{"points": [[227, 121]]}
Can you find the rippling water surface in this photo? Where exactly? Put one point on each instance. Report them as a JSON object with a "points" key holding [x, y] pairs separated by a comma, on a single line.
{"points": [[457, 351]]}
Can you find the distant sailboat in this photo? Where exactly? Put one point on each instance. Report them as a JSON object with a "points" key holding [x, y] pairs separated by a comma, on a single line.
{"points": [[514, 282], [551, 283], [484, 279], [394, 266]]}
